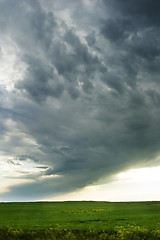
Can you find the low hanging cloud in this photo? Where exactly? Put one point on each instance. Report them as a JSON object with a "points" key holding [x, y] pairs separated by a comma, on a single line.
{"points": [[85, 103]]}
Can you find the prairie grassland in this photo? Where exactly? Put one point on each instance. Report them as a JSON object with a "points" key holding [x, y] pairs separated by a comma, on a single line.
{"points": [[80, 220], [132, 233]]}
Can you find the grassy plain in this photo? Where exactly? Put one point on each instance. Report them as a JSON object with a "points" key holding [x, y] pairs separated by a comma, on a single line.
{"points": [[71, 217]]}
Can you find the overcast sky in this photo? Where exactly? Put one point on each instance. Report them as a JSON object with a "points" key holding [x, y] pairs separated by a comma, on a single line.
{"points": [[79, 94]]}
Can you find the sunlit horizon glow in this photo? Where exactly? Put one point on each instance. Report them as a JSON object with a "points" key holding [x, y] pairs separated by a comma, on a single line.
{"points": [[140, 184]]}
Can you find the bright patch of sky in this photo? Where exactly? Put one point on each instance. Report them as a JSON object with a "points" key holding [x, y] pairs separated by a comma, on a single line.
{"points": [[11, 70], [133, 185]]}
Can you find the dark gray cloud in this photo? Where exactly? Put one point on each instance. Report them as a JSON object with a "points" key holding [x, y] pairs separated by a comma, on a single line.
{"points": [[87, 103], [39, 80], [52, 52], [146, 11], [117, 29], [91, 39]]}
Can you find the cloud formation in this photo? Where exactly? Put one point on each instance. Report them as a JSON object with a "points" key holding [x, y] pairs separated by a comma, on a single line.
{"points": [[85, 98]]}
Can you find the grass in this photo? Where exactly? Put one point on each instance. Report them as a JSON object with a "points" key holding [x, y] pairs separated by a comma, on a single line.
{"points": [[80, 220], [134, 233]]}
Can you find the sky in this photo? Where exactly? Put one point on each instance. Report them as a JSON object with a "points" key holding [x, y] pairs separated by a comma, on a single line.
{"points": [[79, 100]]}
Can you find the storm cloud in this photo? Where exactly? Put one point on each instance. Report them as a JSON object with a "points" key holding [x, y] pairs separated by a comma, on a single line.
{"points": [[85, 95]]}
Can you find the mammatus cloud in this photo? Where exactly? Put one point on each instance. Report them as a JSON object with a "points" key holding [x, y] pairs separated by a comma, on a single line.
{"points": [[85, 98]]}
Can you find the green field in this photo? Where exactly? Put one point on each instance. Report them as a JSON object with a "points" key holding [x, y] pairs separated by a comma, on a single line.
{"points": [[65, 217]]}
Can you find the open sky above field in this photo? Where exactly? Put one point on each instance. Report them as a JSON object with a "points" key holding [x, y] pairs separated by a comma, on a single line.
{"points": [[79, 100]]}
